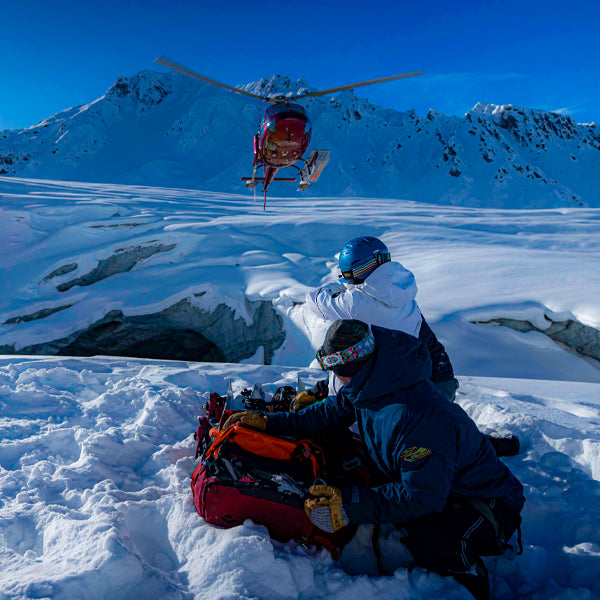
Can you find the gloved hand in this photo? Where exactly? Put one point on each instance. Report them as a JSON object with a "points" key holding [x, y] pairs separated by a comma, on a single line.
{"points": [[325, 509], [302, 400], [248, 418]]}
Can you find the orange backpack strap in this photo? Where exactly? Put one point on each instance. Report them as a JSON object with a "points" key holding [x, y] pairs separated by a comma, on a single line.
{"points": [[262, 444], [307, 452], [219, 436]]}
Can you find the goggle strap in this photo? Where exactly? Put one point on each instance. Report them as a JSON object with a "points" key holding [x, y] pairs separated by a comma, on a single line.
{"points": [[348, 355]]}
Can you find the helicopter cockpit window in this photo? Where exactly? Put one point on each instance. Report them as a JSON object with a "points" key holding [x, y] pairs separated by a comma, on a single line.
{"points": [[277, 109]]}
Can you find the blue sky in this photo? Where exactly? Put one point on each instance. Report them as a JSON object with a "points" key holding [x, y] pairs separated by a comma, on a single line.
{"points": [[535, 54]]}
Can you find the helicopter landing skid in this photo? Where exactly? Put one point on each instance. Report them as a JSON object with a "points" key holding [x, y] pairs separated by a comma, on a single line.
{"points": [[313, 168], [252, 182]]}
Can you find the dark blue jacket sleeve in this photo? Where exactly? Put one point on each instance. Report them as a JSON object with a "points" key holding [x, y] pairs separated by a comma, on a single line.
{"points": [[441, 366], [317, 418], [422, 469]]}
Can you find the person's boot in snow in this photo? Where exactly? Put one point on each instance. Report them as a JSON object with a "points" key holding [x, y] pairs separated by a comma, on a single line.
{"points": [[476, 582]]}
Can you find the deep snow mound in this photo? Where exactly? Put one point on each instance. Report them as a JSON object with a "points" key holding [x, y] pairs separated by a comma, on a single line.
{"points": [[181, 274], [95, 463]]}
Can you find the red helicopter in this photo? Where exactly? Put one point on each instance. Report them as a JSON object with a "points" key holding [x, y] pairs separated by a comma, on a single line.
{"points": [[284, 133]]}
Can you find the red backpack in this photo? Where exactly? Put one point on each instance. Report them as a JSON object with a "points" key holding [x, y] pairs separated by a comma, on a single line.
{"points": [[247, 474]]}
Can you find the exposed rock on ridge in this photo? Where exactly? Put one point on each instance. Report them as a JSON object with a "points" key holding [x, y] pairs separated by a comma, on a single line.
{"points": [[180, 332], [121, 262], [575, 336]]}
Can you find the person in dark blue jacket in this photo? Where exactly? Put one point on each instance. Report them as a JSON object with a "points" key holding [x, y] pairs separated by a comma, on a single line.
{"points": [[432, 471]]}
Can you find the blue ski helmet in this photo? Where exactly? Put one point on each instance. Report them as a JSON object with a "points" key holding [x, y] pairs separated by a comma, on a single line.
{"points": [[360, 256]]}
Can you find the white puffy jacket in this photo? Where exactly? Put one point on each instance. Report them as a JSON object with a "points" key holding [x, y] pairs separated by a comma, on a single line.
{"points": [[386, 298]]}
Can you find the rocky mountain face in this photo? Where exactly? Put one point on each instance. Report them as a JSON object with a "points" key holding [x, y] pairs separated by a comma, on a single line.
{"points": [[165, 129]]}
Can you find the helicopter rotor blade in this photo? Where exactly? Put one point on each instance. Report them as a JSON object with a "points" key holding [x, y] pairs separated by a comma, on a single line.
{"points": [[166, 62], [355, 85]]}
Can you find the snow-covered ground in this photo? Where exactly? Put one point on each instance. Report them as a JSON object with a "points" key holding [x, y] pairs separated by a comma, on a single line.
{"points": [[96, 456], [470, 265], [96, 453]]}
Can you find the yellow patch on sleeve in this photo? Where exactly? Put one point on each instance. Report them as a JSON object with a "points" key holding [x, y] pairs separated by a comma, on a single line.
{"points": [[415, 453]]}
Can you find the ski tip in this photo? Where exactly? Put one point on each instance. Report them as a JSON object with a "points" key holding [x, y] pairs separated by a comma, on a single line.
{"points": [[229, 402], [258, 391], [300, 386]]}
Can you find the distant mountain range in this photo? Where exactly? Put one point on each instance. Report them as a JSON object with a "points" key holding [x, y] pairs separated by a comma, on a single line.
{"points": [[165, 129]]}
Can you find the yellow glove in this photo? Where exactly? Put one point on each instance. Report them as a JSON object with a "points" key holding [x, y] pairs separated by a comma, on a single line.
{"points": [[248, 418], [302, 400], [325, 509]]}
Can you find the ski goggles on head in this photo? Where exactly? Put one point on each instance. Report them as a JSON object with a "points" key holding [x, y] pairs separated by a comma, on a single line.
{"points": [[348, 355], [358, 273]]}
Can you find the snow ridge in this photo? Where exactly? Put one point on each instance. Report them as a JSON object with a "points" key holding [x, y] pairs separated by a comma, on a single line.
{"points": [[166, 129]]}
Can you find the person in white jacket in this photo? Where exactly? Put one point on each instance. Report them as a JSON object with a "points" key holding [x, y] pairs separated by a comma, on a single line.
{"points": [[383, 293], [386, 299]]}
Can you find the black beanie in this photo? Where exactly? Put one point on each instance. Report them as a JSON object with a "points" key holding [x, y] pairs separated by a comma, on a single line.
{"points": [[342, 334]]}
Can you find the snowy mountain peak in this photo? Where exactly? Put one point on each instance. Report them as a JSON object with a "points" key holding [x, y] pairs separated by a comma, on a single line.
{"points": [[514, 118], [166, 129], [277, 84], [147, 87]]}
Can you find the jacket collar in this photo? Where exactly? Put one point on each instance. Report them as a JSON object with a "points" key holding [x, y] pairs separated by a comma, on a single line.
{"points": [[400, 361]]}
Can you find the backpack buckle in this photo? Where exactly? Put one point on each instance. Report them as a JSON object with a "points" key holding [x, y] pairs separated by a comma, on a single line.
{"points": [[352, 463]]}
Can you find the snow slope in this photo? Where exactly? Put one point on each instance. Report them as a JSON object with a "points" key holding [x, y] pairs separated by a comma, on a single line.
{"points": [[470, 265], [96, 453], [166, 129], [95, 459]]}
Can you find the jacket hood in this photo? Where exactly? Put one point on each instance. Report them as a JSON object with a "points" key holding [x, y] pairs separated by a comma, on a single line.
{"points": [[400, 362], [391, 284]]}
